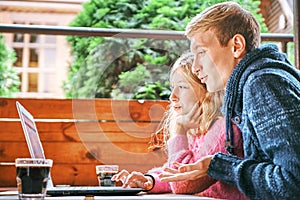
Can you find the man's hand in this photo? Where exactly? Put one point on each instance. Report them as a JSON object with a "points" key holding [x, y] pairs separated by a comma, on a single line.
{"points": [[186, 171]]}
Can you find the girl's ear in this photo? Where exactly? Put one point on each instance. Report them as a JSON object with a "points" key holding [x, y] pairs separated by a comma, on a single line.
{"points": [[239, 46]]}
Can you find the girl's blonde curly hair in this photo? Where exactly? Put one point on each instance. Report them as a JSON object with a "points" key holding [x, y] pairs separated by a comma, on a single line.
{"points": [[210, 105]]}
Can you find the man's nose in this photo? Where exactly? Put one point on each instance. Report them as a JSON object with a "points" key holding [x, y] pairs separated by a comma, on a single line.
{"points": [[196, 67]]}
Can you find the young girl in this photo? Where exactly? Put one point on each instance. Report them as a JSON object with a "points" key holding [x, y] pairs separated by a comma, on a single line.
{"points": [[193, 128]]}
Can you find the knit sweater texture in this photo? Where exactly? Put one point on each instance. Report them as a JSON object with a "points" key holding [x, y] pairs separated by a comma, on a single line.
{"points": [[188, 149], [263, 99]]}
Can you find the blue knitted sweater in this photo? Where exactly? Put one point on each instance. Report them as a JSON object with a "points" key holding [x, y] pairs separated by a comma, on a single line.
{"points": [[263, 99]]}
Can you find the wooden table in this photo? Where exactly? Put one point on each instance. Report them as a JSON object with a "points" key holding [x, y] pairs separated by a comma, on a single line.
{"points": [[144, 196], [12, 195]]}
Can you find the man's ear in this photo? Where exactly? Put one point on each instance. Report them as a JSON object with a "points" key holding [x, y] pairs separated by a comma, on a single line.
{"points": [[239, 46]]}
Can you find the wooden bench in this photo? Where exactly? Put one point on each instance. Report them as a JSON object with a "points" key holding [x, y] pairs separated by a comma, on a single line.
{"points": [[79, 134]]}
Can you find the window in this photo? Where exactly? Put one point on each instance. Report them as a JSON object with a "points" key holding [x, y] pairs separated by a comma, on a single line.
{"points": [[36, 56]]}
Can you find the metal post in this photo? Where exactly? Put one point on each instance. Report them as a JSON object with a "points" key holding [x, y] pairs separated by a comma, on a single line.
{"points": [[296, 33]]}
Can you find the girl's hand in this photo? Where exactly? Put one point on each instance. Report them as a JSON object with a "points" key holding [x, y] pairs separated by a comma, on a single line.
{"points": [[134, 180], [189, 120], [121, 176]]}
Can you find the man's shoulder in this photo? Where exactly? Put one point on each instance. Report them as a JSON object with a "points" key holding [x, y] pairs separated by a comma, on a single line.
{"points": [[271, 86], [272, 76]]}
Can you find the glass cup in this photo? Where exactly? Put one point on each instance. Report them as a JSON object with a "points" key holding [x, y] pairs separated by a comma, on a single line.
{"points": [[32, 177], [105, 173]]}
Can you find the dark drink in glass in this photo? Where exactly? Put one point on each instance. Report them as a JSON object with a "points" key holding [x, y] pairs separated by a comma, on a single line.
{"points": [[32, 177]]}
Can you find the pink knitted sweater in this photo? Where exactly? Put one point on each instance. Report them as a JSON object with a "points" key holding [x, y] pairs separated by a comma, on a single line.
{"points": [[188, 149]]}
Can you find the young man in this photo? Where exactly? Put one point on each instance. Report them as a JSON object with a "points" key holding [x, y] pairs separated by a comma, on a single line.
{"points": [[262, 98]]}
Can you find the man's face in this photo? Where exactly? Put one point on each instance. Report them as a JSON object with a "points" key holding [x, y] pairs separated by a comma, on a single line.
{"points": [[213, 63]]}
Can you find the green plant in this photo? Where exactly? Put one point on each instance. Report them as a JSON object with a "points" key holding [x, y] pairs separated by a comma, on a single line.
{"points": [[138, 84], [9, 79], [98, 62], [152, 91]]}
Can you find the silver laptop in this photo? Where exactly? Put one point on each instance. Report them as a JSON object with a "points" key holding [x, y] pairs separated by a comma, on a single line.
{"points": [[36, 151]]}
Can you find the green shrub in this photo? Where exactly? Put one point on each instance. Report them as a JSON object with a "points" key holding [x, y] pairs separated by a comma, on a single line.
{"points": [[98, 62], [9, 79]]}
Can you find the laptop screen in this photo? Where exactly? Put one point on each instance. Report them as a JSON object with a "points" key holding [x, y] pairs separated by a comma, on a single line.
{"points": [[36, 150], [31, 133], [32, 137]]}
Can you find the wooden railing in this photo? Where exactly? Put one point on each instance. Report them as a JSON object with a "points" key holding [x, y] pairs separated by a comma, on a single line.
{"points": [[79, 134]]}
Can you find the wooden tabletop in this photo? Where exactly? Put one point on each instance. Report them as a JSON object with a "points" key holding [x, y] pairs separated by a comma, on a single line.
{"points": [[144, 196], [12, 195]]}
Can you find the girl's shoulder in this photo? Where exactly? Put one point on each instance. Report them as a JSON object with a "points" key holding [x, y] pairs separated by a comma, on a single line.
{"points": [[217, 125], [218, 129]]}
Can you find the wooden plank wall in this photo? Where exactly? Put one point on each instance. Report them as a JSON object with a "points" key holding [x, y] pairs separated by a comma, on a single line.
{"points": [[79, 134]]}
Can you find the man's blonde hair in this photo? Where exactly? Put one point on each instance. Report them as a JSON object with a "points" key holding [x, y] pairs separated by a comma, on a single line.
{"points": [[226, 20]]}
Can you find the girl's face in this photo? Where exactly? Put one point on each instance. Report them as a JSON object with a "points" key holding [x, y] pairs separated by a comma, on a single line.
{"points": [[183, 96]]}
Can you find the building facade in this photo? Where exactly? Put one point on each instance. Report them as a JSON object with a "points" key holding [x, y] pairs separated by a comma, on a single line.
{"points": [[42, 60]]}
